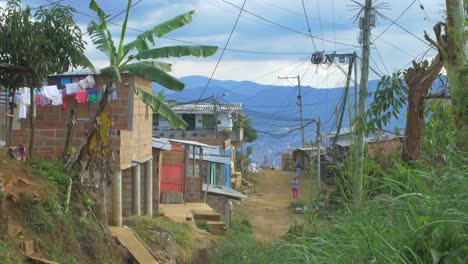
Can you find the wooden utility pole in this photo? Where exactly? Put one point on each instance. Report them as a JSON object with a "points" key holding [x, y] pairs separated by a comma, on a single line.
{"points": [[359, 162], [215, 115], [317, 120], [299, 97]]}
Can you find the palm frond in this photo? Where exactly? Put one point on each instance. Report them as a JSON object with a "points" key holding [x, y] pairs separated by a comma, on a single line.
{"points": [[161, 108], [177, 51]]}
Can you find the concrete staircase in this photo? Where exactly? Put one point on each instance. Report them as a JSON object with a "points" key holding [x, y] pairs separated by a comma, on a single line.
{"points": [[213, 219]]}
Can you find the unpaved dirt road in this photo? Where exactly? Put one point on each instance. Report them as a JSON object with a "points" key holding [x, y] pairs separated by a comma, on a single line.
{"points": [[267, 207]]}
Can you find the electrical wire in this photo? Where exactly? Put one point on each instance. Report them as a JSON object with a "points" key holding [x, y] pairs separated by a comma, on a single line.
{"points": [[308, 25], [320, 22], [288, 28], [393, 22], [226, 49], [225, 46]]}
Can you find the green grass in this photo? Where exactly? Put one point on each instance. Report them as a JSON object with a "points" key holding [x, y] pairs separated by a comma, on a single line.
{"points": [[202, 224], [8, 254], [181, 232], [427, 222]]}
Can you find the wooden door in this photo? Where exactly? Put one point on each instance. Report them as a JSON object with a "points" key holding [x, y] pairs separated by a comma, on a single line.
{"points": [[172, 178]]}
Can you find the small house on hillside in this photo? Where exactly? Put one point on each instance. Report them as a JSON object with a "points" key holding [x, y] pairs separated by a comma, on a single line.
{"points": [[178, 178], [207, 122], [378, 141], [131, 191]]}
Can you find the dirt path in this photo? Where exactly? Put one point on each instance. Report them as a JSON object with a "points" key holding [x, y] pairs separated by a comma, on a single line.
{"points": [[267, 207]]}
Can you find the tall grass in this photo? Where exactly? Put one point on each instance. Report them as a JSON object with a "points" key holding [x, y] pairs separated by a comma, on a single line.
{"points": [[426, 222]]}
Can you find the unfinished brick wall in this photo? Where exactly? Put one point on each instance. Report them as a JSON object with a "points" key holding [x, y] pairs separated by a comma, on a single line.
{"points": [[131, 125], [193, 189], [385, 146]]}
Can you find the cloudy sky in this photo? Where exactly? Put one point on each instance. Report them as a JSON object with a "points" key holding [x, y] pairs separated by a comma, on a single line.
{"points": [[271, 36]]}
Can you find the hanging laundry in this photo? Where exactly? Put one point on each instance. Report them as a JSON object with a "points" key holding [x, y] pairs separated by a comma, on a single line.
{"points": [[26, 96], [72, 88], [23, 109], [64, 104], [83, 84], [65, 81], [94, 95], [52, 93], [39, 99], [81, 97], [90, 80]]}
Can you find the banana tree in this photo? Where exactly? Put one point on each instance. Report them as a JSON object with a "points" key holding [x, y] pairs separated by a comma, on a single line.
{"points": [[143, 62], [139, 57]]}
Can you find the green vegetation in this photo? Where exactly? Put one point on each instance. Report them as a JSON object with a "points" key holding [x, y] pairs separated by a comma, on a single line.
{"points": [[240, 246], [425, 222], [202, 224], [8, 254], [72, 237], [181, 233]]}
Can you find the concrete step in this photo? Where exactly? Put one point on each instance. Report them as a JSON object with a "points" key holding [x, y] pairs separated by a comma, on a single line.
{"points": [[218, 232], [214, 225], [206, 215]]}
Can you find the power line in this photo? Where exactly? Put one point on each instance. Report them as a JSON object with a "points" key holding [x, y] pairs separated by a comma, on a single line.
{"points": [[225, 46], [308, 25], [334, 24], [393, 22], [194, 43], [320, 22], [288, 28], [404, 29]]}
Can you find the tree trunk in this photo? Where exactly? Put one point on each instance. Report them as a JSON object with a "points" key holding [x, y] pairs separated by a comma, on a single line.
{"points": [[419, 79], [10, 118], [32, 127], [454, 63]]}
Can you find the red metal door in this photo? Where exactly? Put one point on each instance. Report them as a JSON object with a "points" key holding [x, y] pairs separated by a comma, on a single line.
{"points": [[172, 178]]}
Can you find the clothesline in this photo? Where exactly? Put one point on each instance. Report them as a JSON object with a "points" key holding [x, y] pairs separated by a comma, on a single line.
{"points": [[83, 90]]}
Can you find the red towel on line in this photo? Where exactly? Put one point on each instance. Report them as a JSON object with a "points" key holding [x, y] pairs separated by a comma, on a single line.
{"points": [[81, 97]]}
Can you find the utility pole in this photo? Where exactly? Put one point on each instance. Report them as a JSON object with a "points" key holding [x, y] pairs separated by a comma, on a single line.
{"points": [[359, 173], [317, 120], [215, 115], [299, 97]]}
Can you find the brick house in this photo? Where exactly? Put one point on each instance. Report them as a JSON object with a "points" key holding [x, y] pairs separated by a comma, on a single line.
{"points": [[131, 191], [378, 141]]}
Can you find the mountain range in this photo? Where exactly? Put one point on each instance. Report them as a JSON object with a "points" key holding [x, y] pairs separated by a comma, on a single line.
{"points": [[274, 111]]}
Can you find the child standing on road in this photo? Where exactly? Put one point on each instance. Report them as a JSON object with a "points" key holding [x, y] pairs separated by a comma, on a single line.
{"points": [[295, 188]]}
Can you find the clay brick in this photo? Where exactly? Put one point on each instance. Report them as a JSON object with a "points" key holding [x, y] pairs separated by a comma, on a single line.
{"points": [[47, 132]]}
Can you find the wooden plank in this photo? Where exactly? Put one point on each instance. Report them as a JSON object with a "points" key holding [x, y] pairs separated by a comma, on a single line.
{"points": [[137, 249]]}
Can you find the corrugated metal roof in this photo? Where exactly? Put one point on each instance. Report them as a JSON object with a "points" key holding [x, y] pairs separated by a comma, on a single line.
{"points": [[164, 143], [84, 71], [190, 142], [223, 190], [214, 158], [204, 107]]}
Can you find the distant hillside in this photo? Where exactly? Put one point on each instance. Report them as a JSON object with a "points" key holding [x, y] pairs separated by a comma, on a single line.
{"points": [[273, 110]]}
